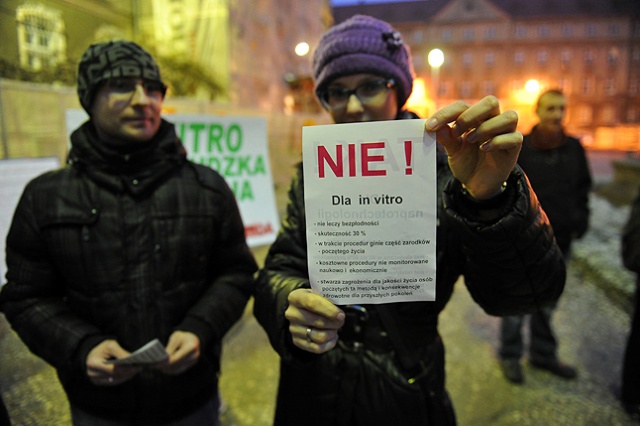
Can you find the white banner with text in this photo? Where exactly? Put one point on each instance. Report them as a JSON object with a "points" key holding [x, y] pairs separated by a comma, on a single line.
{"points": [[370, 203]]}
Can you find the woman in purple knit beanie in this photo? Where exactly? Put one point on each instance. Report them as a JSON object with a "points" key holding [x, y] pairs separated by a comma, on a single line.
{"points": [[384, 364]]}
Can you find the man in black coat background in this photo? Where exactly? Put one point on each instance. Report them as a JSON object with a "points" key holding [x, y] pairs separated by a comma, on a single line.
{"points": [[557, 167]]}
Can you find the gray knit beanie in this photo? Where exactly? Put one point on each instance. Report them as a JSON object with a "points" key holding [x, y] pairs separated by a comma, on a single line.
{"points": [[363, 44], [112, 59]]}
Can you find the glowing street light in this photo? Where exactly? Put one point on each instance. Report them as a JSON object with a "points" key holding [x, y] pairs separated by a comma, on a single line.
{"points": [[532, 86], [301, 63], [435, 59], [302, 49]]}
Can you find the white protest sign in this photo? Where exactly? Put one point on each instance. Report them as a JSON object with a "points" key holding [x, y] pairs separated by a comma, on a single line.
{"points": [[16, 173], [237, 148], [370, 203]]}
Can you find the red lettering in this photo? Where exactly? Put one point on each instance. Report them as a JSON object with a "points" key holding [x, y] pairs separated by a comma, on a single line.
{"points": [[257, 229], [323, 155], [352, 160], [337, 165], [366, 158]]}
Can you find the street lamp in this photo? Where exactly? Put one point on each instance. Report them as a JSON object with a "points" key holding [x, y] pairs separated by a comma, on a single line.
{"points": [[435, 59], [532, 86], [302, 48]]}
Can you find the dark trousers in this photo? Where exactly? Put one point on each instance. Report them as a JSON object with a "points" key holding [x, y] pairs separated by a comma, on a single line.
{"points": [[542, 345], [631, 365]]}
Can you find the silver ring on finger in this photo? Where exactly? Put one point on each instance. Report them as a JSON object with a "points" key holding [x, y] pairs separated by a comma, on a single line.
{"points": [[309, 330]]}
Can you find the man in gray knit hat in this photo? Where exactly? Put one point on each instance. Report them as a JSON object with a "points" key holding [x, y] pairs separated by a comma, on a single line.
{"points": [[384, 364], [128, 243]]}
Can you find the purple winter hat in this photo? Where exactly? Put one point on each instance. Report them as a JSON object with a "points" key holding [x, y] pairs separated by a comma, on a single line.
{"points": [[363, 44]]}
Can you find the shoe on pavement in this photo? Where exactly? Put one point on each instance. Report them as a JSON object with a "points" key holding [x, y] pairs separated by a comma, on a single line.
{"points": [[512, 370], [555, 367]]}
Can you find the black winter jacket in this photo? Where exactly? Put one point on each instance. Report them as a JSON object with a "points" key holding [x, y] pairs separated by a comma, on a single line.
{"points": [[562, 180], [510, 265], [129, 246]]}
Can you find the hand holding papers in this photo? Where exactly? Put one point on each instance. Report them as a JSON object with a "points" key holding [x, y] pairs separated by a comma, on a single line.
{"points": [[151, 353], [370, 200]]}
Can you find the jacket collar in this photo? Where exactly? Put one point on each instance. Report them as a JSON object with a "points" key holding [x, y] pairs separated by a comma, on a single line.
{"points": [[134, 168]]}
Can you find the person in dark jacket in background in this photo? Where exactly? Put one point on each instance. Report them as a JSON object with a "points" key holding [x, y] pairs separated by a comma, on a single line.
{"points": [[630, 392], [558, 170], [384, 364], [128, 243]]}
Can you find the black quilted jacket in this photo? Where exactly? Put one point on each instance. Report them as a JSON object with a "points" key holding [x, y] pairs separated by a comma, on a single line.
{"points": [[511, 265], [131, 246]]}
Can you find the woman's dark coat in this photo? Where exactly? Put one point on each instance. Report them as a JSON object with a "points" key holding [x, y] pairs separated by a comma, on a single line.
{"points": [[511, 265]]}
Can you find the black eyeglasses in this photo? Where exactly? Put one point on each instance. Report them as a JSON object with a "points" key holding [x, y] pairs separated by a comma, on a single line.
{"points": [[368, 93], [127, 86]]}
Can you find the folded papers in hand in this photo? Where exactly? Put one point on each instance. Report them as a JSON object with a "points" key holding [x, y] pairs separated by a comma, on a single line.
{"points": [[151, 353]]}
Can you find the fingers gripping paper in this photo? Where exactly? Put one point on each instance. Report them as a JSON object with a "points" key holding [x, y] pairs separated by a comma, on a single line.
{"points": [[151, 353]]}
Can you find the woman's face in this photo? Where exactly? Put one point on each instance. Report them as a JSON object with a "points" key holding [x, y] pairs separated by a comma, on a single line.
{"points": [[379, 101]]}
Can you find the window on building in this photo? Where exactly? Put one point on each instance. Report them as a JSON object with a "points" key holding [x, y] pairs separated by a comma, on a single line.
{"points": [[564, 84], [591, 30], [588, 57], [567, 30], [468, 34], [41, 36], [565, 56], [518, 57], [490, 33], [521, 31], [635, 54], [489, 58], [418, 36], [488, 88], [419, 62], [543, 31], [466, 89], [446, 34], [613, 29], [543, 57], [445, 88], [633, 86], [632, 114], [587, 86], [467, 59], [612, 56], [610, 86]]}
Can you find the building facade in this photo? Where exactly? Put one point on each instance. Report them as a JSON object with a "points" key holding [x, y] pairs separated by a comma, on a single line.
{"points": [[230, 51], [515, 49]]}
